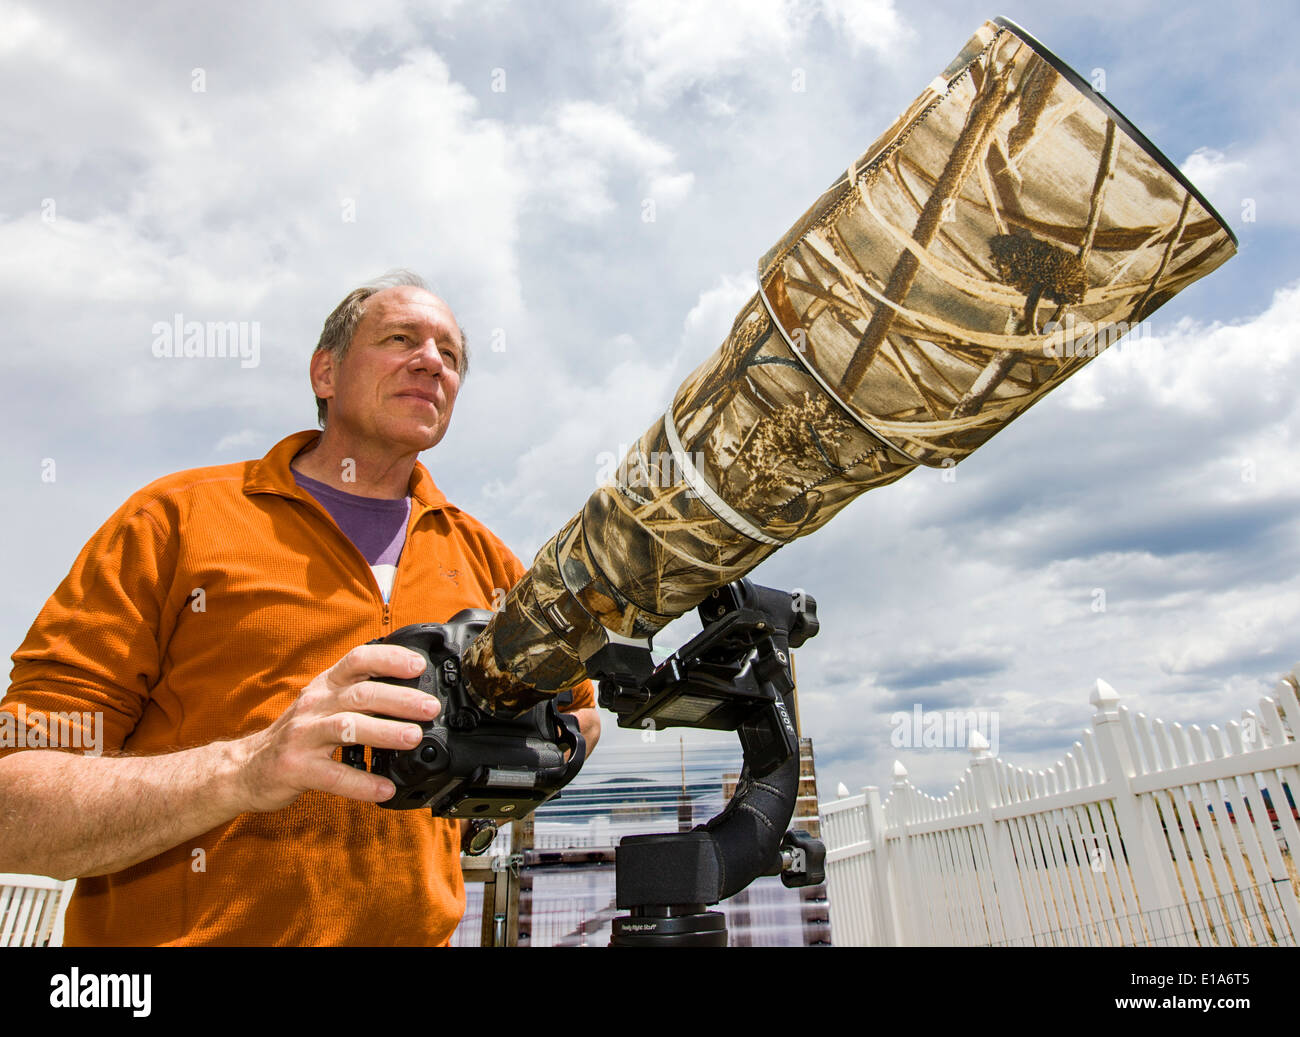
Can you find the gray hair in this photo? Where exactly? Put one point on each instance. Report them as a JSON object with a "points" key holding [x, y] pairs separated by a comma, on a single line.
{"points": [[341, 325]]}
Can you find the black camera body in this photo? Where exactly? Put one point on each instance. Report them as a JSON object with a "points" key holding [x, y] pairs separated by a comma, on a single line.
{"points": [[471, 764]]}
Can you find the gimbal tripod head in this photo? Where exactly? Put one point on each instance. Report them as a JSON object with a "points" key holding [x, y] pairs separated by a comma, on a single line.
{"points": [[734, 675]]}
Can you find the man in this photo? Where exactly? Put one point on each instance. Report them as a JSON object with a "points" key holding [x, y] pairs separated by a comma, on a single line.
{"points": [[213, 635]]}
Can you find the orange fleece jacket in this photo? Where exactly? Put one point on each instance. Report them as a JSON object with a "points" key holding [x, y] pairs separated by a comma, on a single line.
{"points": [[198, 613]]}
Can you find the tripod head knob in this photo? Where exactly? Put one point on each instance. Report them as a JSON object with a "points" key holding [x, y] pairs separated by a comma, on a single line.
{"points": [[805, 625], [803, 860]]}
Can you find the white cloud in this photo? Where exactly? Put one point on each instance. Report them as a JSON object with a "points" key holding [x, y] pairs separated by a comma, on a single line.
{"points": [[240, 441], [872, 25], [23, 30], [1250, 183], [232, 218], [560, 460], [673, 45], [1214, 371], [571, 158], [671, 188], [710, 319], [1210, 169]]}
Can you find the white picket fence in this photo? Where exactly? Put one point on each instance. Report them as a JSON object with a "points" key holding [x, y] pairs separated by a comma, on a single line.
{"points": [[31, 910], [1145, 834]]}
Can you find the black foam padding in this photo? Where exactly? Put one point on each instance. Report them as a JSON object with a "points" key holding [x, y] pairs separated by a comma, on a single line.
{"points": [[667, 869], [749, 831]]}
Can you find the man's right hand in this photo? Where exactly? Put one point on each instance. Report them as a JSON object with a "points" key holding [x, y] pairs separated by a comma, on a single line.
{"points": [[296, 752]]}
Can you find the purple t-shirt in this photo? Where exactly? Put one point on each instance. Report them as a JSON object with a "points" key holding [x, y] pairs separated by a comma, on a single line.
{"points": [[376, 526]]}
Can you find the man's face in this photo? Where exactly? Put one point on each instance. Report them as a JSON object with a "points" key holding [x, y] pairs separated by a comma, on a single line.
{"points": [[397, 382]]}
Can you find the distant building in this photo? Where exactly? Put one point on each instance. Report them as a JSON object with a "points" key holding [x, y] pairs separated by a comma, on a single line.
{"points": [[566, 890]]}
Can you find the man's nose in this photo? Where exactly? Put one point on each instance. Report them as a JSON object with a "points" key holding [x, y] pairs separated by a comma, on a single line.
{"points": [[429, 357]]}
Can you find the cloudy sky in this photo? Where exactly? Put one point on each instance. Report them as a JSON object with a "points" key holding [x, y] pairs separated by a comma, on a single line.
{"points": [[590, 185]]}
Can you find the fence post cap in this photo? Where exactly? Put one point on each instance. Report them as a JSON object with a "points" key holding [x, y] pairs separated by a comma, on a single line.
{"points": [[1104, 697], [900, 772], [978, 745], [841, 791]]}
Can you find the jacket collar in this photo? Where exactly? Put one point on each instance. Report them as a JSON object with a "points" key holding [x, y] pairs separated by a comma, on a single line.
{"points": [[272, 474]]}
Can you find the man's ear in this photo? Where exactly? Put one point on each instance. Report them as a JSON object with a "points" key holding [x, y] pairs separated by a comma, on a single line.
{"points": [[322, 373]]}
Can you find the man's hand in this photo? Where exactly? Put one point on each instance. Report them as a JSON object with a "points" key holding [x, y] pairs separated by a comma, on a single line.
{"points": [[126, 809], [296, 752], [589, 724]]}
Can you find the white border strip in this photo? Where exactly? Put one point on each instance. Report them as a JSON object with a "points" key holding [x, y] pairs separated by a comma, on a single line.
{"points": [[799, 354], [696, 482]]}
